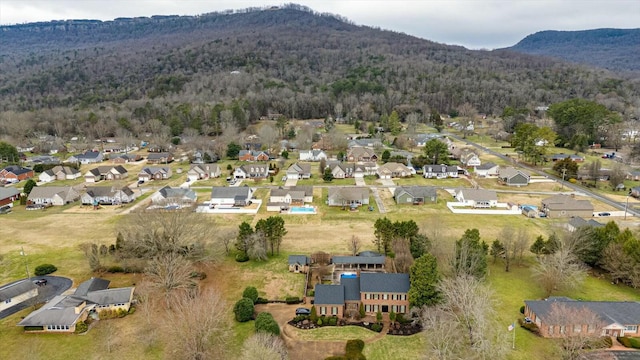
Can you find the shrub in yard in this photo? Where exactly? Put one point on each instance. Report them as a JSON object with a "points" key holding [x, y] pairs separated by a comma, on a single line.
{"points": [[355, 345], [529, 326], [243, 310], [522, 309], [81, 327], [376, 327], [251, 293], [362, 313], [392, 316], [319, 322], [606, 340], [624, 341], [242, 257], [45, 269], [115, 269], [378, 316], [266, 323], [635, 343], [260, 300], [314, 315], [292, 300], [333, 321]]}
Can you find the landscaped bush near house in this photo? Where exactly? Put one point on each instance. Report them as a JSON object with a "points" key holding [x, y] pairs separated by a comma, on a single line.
{"points": [[266, 323], [314, 315], [112, 314], [292, 300], [45, 269], [251, 293], [376, 327], [630, 342], [333, 321], [529, 326], [299, 318], [311, 293], [243, 310], [522, 309], [81, 327], [260, 300], [606, 340], [115, 269], [242, 257], [355, 345]]}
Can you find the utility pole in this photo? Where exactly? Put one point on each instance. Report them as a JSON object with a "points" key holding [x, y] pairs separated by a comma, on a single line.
{"points": [[626, 206], [26, 263], [564, 171]]}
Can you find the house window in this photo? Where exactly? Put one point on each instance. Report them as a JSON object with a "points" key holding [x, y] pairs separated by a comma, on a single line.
{"points": [[631, 328], [7, 301], [323, 310], [591, 328], [367, 308], [577, 328], [563, 329], [367, 296], [385, 296], [551, 330], [334, 310]]}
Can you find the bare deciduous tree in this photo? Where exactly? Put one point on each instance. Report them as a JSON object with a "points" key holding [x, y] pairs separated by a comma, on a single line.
{"points": [[403, 259], [579, 329], [264, 346], [561, 270], [170, 272], [354, 245], [197, 326], [464, 325]]}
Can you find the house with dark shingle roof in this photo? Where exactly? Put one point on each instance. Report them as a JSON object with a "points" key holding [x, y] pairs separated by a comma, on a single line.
{"points": [[159, 158], [63, 312], [16, 293], [299, 263], [8, 195], [117, 172], [372, 262], [577, 222], [477, 198], [16, 173], [348, 196], [384, 292], [87, 157], [618, 318], [252, 171], [439, 171], [513, 177], [107, 195], [360, 154], [59, 173], [299, 171], [415, 195], [154, 173], [487, 169], [228, 197]]}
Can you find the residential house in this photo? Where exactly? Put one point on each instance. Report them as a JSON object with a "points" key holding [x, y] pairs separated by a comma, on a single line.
{"points": [[252, 171], [617, 318], [229, 197], [416, 195], [168, 196], [633, 175], [635, 192], [393, 170], [154, 173], [87, 157], [117, 172], [477, 198], [421, 140], [251, 155], [383, 292], [400, 155], [312, 155], [159, 158], [203, 157], [361, 154], [341, 170], [487, 170], [470, 159], [63, 312], [440, 171], [52, 195], [348, 196], [107, 195], [59, 173], [203, 171], [124, 158], [299, 264], [299, 171], [8, 195], [577, 222], [17, 292], [15, 173], [43, 159], [282, 198], [366, 261], [365, 143], [584, 173], [574, 157], [566, 206], [513, 177]]}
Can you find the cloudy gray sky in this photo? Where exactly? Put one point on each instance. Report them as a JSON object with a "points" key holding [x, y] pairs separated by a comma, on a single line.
{"points": [[471, 23]]}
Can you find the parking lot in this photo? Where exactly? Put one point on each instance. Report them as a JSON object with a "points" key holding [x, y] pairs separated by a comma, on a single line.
{"points": [[55, 285]]}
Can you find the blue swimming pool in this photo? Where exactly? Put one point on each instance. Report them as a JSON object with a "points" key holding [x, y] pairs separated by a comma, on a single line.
{"points": [[302, 210]]}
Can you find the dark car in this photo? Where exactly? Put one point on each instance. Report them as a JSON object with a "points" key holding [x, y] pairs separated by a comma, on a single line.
{"points": [[40, 282], [604, 214], [303, 311]]}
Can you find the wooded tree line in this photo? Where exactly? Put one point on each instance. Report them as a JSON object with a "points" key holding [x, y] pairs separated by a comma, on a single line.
{"points": [[180, 75]]}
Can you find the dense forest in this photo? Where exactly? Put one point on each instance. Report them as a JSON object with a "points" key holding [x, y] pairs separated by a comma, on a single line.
{"points": [[613, 49], [198, 74]]}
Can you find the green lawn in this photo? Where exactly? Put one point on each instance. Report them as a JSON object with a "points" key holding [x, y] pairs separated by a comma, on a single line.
{"points": [[335, 333], [396, 347]]}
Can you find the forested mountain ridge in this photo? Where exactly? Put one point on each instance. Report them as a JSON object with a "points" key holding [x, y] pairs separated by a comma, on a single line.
{"points": [[614, 49], [185, 70]]}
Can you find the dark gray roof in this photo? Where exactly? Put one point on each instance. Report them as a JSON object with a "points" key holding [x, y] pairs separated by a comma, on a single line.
{"points": [[158, 156], [298, 259], [169, 192], [577, 222], [8, 192], [486, 166], [96, 191], [621, 312], [369, 253], [229, 192], [87, 155], [93, 284], [383, 282], [377, 260], [329, 294], [59, 311], [17, 170], [14, 289], [110, 296], [351, 288]]}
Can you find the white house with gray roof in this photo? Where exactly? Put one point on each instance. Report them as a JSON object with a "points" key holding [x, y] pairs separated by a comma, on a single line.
{"points": [[230, 197], [53, 195], [17, 292], [169, 196], [477, 198], [59, 173], [107, 195], [312, 155], [203, 171], [63, 312]]}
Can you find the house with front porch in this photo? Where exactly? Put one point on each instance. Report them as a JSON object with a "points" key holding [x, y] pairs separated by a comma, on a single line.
{"points": [[361, 154], [117, 172], [283, 198], [392, 170], [416, 195], [107, 195], [487, 170], [251, 155], [440, 171], [87, 157], [477, 198], [616, 318], [354, 197], [168, 196], [312, 155], [203, 171], [513, 177], [252, 171], [228, 197], [299, 263], [365, 261], [59, 173], [299, 171], [53, 195], [154, 173]]}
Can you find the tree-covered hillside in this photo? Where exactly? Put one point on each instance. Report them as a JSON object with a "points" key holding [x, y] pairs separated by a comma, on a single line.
{"points": [[613, 49]]}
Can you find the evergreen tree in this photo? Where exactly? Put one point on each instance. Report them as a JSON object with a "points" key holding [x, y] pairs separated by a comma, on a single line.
{"points": [[424, 278]]}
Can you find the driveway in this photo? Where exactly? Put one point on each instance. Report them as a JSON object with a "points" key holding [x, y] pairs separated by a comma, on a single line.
{"points": [[379, 202], [56, 285], [360, 181], [291, 182]]}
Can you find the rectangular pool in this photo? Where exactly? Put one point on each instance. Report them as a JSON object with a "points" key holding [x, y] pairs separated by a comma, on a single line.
{"points": [[302, 210]]}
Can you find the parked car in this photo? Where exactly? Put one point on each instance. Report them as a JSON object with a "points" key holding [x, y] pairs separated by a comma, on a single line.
{"points": [[604, 214], [303, 311], [40, 282]]}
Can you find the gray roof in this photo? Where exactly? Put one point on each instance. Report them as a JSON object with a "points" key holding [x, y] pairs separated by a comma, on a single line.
{"points": [[154, 169], [621, 312], [349, 193], [299, 168], [510, 172], [479, 194], [95, 191], [486, 166], [351, 288], [110, 296], [566, 202], [169, 192], [371, 260], [229, 192], [329, 294], [87, 155], [7, 192], [67, 193], [93, 284], [16, 288], [299, 259], [58, 311], [577, 222], [415, 191], [384, 282], [158, 156]]}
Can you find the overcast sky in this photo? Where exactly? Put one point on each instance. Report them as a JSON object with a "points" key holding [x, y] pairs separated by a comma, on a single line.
{"points": [[474, 24]]}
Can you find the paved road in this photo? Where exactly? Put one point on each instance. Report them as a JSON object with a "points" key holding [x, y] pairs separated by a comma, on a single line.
{"points": [[602, 198], [56, 285]]}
